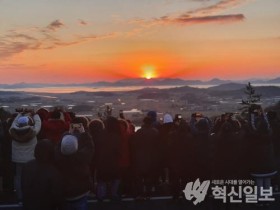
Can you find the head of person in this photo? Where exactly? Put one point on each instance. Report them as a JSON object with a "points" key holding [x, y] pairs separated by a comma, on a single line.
{"points": [[167, 119], [69, 145], [25, 121], [152, 115], [43, 113], [112, 125], [147, 122], [96, 126], [83, 120], [124, 126]]}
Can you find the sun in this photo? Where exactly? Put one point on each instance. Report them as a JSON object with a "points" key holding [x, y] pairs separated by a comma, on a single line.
{"points": [[149, 71]]}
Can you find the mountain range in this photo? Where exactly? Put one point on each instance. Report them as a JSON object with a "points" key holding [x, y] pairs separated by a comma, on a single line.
{"points": [[141, 82]]}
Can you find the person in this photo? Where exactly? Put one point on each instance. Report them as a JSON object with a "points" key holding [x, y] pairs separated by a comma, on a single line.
{"points": [[274, 123], [180, 157], [164, 133], [41, 181], [73, 157], [43, 114], [107, 160], [8, 171], [56, 125], [228, 150], [24, 130], [153, 116], [262, 159], [125, 154], [96, 130], [200, 128], [143, 156]]}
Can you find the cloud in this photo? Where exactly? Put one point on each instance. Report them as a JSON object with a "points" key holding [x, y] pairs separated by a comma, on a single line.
{"points": [[218, 7], [22, 36], [81, 39], [55, 25], [203, 15], [82, 22], [36, 38], [208, 19]]}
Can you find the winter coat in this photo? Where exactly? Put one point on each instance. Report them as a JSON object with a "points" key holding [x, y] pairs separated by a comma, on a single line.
{"points": [[261, 155], [75, 168], [41, 181], [24, 140], [124, 160], [180, 152], [228, 153], [164, 140], [202, 149], [54, 129], [261, 146], [144, 150], [107, 156]]}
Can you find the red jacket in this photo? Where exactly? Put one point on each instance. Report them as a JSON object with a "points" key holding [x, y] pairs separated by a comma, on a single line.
{"points": [[54, 129]]}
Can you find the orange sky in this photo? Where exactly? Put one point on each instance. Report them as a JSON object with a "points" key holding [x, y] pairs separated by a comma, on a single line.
{"points": [[82, 41]]}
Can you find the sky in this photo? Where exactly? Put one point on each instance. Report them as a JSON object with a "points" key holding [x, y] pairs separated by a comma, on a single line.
{"points": [[79, 41]]}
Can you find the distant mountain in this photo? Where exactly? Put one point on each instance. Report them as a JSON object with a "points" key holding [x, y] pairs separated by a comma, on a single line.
{"points": [[216, 81], [262, 81], [137, 82], [228, 86], [276, 80], [148, 82]]}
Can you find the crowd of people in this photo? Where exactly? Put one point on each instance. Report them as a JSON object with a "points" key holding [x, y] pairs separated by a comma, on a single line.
{"points": [[54, 159]]}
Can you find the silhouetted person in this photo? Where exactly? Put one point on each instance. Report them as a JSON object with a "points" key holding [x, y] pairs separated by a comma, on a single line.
{"points": [[200, 128], [96, 130], [262, 159], [144, 156], [55, 126], [41, 181], [107, 160], [73, 158], [24, 130], [180, 157]]}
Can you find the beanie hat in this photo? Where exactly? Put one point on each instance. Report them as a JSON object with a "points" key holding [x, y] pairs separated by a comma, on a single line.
{"points": [[22, 121], [69, 145], [167, 118]]}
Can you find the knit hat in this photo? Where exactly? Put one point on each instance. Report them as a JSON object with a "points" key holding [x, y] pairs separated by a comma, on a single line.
{"points": [[69, 145], [167, 118], [22, 121]]}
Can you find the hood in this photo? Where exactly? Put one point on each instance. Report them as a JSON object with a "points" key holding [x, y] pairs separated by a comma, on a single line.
{"points": [[23, 134]]}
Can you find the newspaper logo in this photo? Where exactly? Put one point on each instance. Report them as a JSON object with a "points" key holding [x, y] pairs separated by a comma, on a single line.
{"points": [[196, 190]]}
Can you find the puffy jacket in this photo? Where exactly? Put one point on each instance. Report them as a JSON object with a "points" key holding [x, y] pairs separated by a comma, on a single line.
{"points": [[75, 168], [24, 140]]}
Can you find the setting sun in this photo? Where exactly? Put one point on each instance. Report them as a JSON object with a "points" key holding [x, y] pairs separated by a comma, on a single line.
{"points": [[149, 72]]}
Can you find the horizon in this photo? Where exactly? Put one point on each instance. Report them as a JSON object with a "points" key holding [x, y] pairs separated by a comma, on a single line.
{"points": [[91, 41], [147, 79]]}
